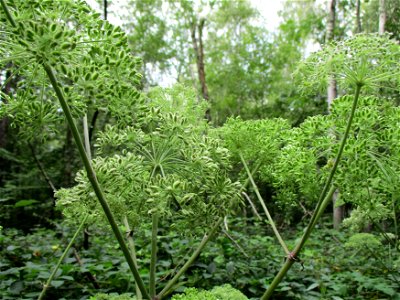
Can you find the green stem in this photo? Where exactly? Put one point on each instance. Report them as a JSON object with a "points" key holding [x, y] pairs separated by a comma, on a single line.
{"points": [[46, 286], [8, 14], [255, 169], [271, 221], [132, 249], [321, 205], [190, 261], [153, 259]]}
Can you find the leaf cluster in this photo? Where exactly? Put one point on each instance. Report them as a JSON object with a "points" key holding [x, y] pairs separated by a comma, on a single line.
{"points": [[225, 292], [167, 166], [90, 58], [367, 60]]}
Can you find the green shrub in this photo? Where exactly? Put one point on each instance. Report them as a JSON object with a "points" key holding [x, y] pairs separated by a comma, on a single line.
{"points": [[224, 292]]}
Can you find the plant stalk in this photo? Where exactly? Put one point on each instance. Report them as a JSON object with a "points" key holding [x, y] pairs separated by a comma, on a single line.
{"points": [[8, 14], [271, 221], [321, 205], [153, 260], [190, 261], [53, 273]]}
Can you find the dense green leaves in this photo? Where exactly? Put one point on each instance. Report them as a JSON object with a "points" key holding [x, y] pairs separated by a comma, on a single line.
{"points": [[90, 57], [367, 60], [167, 167]]}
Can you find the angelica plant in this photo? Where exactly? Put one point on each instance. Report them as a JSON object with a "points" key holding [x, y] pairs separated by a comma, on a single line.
{"points": [[49, 37], [155, 166], [362, 64]]}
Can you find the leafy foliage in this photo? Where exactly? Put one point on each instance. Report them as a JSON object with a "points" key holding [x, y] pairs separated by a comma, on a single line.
{"points": [[65, 36], [225, 292], [366, 59], [330, 269], [166, 167]]}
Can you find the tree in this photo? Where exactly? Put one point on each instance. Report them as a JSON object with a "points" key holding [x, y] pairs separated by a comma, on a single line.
{"points": [[382, 16], [241, 68]]}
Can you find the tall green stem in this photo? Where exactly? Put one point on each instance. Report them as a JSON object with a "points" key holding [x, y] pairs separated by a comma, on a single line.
{"points": [[153, 260], [271, 221], [324, 198], [8, 14], [190, 261], [47, 284]]}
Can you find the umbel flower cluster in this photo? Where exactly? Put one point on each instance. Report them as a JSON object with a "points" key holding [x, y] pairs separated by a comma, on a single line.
{"points": [[166, 167]]}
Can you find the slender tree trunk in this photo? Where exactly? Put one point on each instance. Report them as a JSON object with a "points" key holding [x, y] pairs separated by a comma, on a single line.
{"points": [[105, 9], [382, 16], [358, 17], [338, 212], [330, 25], [330, 31], [199, 51]]}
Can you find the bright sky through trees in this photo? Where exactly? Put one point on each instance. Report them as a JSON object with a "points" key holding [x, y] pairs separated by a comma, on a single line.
{"points": [[269, 9]]}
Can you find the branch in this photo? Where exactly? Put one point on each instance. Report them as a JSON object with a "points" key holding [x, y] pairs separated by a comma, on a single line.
{"points": [[41, 168]]}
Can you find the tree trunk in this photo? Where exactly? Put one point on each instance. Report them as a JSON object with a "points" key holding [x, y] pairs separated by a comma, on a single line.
{"points": [[330, 25], [199, 51], [358, 17], [105, 9], [382, 16], [330, 33]]}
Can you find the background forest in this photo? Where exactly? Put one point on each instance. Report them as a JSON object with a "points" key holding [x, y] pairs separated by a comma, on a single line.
{"points": [[212, 148]]}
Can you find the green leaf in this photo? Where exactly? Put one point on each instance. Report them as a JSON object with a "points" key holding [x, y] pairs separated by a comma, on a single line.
{"points": [[57, 283], [313, 286], [388, 290], [17, 287], [22, 203]]}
